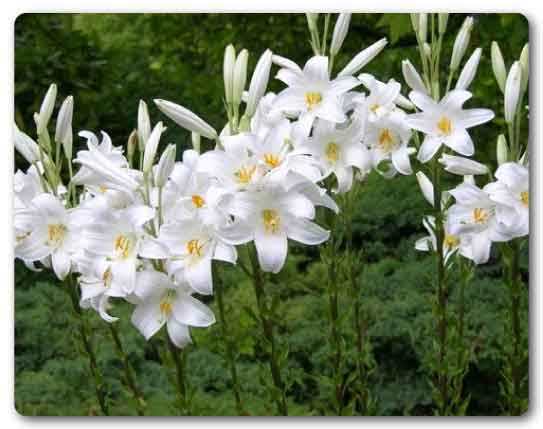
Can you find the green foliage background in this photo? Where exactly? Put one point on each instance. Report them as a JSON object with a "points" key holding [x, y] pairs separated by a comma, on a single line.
{"points": [[109, 62]]}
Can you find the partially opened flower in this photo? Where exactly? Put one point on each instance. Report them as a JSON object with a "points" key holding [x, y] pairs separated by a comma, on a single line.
{"points": [[445, 122], [161, 302], [312, 94], [451, 242]]}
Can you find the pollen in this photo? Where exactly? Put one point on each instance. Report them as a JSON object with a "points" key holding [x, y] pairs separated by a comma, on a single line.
{"points": [[312, 99], [245, 174], [123, 246], [374, 108], [271, 220], [444, 126], [195, 247], [525, 198], [166, 307], [55, 234], [332, 152], [198, 201], [480, 215], [271, 160], [102, 189], [386, 140], [451, 241]]}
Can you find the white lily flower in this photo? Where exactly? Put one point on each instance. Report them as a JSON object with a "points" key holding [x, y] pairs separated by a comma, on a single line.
{"points": [[51, 232], [462, 166], [63, 133], [412, 77], [474, 213], [26, 146], [340, 31], [498, 65], [382, 97], [164, 302], [445, 122], [285, 63], [46, 108], [512, 192], [259, 82], [470, 69], [512, 91], [363, 58], [312, 95], [451, 242], [144, 125], [461, 43], [270, 216], [186, 119], [26, 186]]}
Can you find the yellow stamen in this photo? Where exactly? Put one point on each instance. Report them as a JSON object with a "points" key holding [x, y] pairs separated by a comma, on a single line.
{"points": [[106, 277], [332, 152], [102, 189], [245, 174], [312, 99], [198, 201], [21, 237], [272, 160], [525, 198], [374, 107], [480, 215], [194, 247], [123, 246], [166, 307], [386, 140], [55, 234], [271, 220], [451, 241], [444, 125]]}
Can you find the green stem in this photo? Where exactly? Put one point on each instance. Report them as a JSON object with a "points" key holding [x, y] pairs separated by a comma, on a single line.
{"points": [[267, 329], [128, 370], [178, 358], [100, 387], [227, 341]]}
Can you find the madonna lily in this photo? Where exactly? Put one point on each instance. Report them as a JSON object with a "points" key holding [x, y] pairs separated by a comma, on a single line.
{"points": [[51, 231], [474, 213], [511, 191], [445, 122], [451, 242], [382, 96], [164, 302], [270, 216], [312, 94]]}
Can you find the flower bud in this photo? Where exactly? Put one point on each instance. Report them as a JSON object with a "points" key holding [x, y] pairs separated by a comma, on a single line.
{"points": [[63, 132], [427, 50], [470, 69], [228, 72], [186, 119], [498, 65], [412, 77], [195, 138], [442, 19], [502, 150], [525, 64], [144, 125], [259, 82], [363, 58], [461, 43], [151, 147], [462, 166], [340, 31], [46, 109], [165, 166], [240, 77], [426, 187], [312, 21], [423, 27], [512, 91], [27, 147], [415, 22], [131, 145]]}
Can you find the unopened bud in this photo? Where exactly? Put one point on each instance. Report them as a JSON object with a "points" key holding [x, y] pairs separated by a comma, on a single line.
{"points": [[144, 125], [442, 19], [195, 137], [512, 91], [498, 65], [165, 166], [240, 77], [228, 72], [502, 150], [525, 64], [63, 133], [46, 109], [131, 146], [461, 43]]}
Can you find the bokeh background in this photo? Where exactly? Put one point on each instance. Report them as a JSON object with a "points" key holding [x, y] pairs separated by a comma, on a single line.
{"points": [[108, 62]]}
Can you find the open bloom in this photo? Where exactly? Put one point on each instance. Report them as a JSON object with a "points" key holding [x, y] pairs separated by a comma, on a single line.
{"points": [[445, 122], [451, 242], [164, 302], [511, 191], [474, 213], [50, 231], [312, 94]]}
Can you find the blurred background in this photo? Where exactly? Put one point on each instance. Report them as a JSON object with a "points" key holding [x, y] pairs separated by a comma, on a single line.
{"points": [[109, 62]]}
